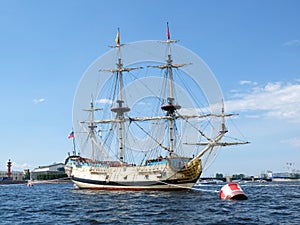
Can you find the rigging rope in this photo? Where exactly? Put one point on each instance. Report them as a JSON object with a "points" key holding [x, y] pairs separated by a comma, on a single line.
{"points": [[196, 128], [160, 144]]}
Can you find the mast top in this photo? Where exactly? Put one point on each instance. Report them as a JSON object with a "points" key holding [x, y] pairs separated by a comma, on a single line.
{"points": [[92, 108], [169, 40], [117, 40]]}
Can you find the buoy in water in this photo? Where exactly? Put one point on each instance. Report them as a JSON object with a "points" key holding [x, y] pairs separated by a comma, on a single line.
{"points": [[29, 184], [232, 191]]}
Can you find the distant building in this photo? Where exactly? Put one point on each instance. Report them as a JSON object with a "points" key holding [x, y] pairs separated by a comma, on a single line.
{"points": [[53, 171], [10, 176], [287, 175], [282, 176], [266, 175], [15, 176]]}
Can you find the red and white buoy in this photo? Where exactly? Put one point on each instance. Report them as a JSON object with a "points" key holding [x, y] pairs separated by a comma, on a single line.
{"points": [[232, 191]]}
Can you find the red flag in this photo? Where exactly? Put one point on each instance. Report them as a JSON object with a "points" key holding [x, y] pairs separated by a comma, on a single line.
{"points": [[168, 32], [71, 135]]}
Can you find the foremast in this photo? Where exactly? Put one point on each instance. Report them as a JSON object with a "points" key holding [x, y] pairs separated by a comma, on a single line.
{"points": [[170, 107]]}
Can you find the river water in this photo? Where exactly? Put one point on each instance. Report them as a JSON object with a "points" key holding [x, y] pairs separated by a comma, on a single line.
{"points": [[268, 203]]}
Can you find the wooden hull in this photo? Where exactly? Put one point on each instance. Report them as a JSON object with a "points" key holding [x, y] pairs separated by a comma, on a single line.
{"points": [[160, 176], [133, 186]]}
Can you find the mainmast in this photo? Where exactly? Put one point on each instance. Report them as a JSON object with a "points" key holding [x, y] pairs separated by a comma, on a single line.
{"points": [[120, 109]]}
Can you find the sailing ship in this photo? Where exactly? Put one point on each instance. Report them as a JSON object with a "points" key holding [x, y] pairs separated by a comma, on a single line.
{"points": [[144, 128]]}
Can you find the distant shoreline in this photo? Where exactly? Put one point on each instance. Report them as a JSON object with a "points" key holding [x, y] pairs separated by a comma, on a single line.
{"points": [[6, 182], [55, 181]]}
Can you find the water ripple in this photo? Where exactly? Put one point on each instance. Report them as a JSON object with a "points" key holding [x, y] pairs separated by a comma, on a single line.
{"points": [[271, 203]]}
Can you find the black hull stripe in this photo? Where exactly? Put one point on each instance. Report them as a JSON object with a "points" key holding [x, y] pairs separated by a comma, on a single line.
{"points": [[141, 183]]}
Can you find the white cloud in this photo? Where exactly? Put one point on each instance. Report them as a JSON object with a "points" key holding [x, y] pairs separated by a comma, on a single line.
{"points": [[292, 43], [104, 101], [295, 142], [253, 116], [243, 82], [274, 100], [38, 101], [272, 87], [16, 166]]}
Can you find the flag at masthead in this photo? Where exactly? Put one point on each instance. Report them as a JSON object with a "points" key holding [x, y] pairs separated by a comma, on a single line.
{"points": [[117, 40], [168, 32]]}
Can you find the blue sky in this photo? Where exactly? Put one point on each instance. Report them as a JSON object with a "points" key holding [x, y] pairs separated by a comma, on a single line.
{"points": [[252, 47]]}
